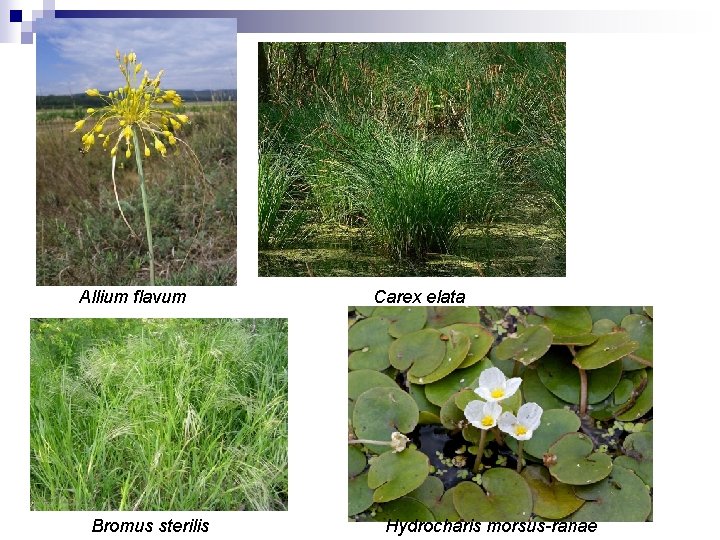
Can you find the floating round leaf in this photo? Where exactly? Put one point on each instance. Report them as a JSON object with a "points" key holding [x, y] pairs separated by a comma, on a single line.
{"points": [[551, 499], [403, 319], [365, 311], [640, 329], [554, 424], [356, 460], [534, 390], [439, 392], [643, 403], [563, 379], [422, 351], [393, 475], [638, 457], [613, 313], [429, 412], [480, 341], [441, 316], [379, 412], [452, 416], [369, 340], [572, 460], [364, 379], [604, 326], [505, 496], [433, 495], [566, 321], [456, 348], [527, 346], [360, 496], [606, 350], [622, 496], [404, 509]]}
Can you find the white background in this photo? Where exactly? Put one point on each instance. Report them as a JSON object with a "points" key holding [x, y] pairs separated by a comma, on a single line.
{"points": [[642, 200]]}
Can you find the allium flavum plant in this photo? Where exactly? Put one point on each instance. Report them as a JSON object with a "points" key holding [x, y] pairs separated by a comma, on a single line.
{"points": [[131, 114]]}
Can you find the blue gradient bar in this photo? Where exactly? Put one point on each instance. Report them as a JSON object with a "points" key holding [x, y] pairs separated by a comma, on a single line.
{"points": [[430, 21]]}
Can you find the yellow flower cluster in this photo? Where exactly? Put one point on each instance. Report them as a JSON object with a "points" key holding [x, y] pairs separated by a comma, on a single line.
{"points": [[138, 106]]}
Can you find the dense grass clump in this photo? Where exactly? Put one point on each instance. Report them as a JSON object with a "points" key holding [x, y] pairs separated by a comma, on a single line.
{"points": [[280, 212], [406, 146], [81, 236], [158, 414]]}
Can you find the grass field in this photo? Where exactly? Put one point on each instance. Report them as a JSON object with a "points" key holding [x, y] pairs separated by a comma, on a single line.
{"points": [[81, 236], [399, 152], [158, 414]]}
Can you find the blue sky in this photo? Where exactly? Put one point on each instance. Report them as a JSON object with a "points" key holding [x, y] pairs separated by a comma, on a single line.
{"points": [[76, 54]]}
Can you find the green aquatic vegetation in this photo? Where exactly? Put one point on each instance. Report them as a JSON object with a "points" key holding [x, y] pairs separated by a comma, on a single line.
{"points": [[158, 414], [421, 152], [500, 414]]}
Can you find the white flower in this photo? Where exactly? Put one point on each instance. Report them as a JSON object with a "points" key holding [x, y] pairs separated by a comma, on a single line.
{"points": [[398, 441], [527, 421], [494, 386], [482, 414]]}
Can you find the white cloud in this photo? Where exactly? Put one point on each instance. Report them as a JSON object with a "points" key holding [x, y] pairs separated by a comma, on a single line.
{"points": [[195, 53]]}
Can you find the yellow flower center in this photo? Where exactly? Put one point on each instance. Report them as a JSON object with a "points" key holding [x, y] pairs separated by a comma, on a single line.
{"points": [[520, 430], [497, 393], [487, 421]]}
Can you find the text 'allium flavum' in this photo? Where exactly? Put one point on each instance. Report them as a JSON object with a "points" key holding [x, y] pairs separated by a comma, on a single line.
{"points": [[494, 386], [138, 105]]}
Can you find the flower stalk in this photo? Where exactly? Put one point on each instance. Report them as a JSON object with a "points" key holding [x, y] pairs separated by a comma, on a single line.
{"points": [[481, 449], [146, 207]]}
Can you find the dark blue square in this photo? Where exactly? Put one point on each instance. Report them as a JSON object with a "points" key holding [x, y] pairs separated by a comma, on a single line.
{"points": [[16, 15]]}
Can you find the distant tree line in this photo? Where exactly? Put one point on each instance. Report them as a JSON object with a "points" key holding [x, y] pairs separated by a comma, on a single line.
{"points": [[83, 100]]}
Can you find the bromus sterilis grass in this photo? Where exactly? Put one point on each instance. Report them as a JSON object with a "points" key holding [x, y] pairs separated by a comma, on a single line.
{"points": [[158, 414]]}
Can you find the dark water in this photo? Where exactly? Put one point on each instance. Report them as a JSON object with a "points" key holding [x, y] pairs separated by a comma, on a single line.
{"points": [[502, 250]]}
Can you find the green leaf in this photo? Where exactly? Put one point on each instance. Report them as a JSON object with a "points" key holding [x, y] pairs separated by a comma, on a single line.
{"points": [[432, 494], [551, 499], [480, 341], [572, 460], [566, 321], [379, 412], [364, 379], [429, 412], [638, 449], [562, 378], [404, 509], [526, 347], [534, 391], [439, 392], [622, 496], [604, 326], [369, 340], [607, 349], [505, 496], [393, 475], [359, 494], [457, 346], [640, 329], [613, 313], [643, 403], [356, 460], [422, 351], [403, 319], [439, 317], [554, 424]]}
